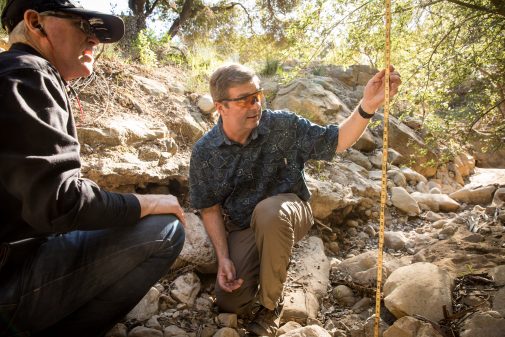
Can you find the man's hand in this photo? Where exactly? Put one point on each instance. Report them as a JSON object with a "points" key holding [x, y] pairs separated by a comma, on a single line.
{"points": [[160, 204], [373, 95], [226, 276]]}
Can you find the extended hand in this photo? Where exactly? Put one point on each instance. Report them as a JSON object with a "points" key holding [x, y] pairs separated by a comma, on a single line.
{"points": [[373, 95], [226, 277], [160, 204]]}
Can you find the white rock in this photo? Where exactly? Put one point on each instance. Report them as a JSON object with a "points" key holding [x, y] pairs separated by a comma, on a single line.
{"points": [[147, 306], [185, 288], [403, 201], [328, 196], [206, 104], [421, 288], [308, 331]]}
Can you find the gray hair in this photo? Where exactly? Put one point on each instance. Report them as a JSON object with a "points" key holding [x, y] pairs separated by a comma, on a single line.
{"points": [[18, 34], [228, 76]]}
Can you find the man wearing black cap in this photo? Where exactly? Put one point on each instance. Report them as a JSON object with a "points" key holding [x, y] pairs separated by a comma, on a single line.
{"points": [[74, 259]]}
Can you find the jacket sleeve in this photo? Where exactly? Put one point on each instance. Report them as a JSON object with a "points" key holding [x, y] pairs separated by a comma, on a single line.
{"points": [[40, 163]]}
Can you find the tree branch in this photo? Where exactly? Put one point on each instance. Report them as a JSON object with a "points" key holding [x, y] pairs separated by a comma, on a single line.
{"points": [[150, 9], [500, 10], [231, 6], [485, 113]]}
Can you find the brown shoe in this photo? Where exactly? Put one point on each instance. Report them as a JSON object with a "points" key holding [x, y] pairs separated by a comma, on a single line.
{"points": [[265, 323]]}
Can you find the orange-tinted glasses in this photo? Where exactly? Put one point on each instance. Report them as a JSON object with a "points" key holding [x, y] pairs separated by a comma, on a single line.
{"points": [[247, 101]]}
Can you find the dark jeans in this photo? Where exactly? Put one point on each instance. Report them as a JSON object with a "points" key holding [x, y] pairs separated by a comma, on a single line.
{"points": [[83, 282]]}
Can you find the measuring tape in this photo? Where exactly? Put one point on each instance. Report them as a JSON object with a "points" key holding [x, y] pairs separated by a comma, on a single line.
{"points": [[384, 187]]}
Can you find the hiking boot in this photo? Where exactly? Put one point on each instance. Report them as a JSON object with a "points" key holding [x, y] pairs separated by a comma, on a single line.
{"points": [[265, 323]]}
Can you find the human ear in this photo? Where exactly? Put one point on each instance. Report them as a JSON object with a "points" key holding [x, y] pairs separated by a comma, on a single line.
{"points": [[33, 22]]}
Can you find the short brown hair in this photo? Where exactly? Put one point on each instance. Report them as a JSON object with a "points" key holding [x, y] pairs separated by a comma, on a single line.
{"points": [[228, 76]]}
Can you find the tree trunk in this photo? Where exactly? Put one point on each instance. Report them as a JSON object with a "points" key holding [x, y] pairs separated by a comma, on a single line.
{"points": [[187, 13]]}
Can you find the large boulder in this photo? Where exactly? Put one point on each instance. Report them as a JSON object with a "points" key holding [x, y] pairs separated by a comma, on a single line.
{"points": [[415, 153], [310, 99], [327, 197], [418, 289], [198, 250], [436, 202], [476, 196], [312, 270]]}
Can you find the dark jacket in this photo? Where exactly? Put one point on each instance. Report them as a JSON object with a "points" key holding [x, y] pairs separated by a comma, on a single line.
{"points": [[41, 191]]}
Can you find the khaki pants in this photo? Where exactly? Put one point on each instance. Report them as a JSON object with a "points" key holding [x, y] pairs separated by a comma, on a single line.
{"points": [[261, 253]]}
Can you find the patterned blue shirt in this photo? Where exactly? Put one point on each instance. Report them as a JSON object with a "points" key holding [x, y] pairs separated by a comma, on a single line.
{"points": [[271, 162]]}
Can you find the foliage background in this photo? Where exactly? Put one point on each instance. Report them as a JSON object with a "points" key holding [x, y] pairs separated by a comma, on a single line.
{"points": [[451, 53]]}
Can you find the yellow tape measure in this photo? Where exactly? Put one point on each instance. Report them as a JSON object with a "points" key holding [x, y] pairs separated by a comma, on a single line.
{"points": [[384, 187]]}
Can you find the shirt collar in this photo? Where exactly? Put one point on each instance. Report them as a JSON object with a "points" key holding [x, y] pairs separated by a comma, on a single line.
{"points": [[220, 137]]}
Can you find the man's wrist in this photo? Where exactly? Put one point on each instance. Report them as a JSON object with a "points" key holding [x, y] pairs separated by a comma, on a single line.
{"points": [[364, 111]]}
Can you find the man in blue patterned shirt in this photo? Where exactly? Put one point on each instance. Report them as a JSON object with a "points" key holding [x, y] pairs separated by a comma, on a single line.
{"points": [[247, 180]]}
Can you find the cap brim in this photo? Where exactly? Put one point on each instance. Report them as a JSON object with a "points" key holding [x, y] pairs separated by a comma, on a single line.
{"points": [[108, 28]]}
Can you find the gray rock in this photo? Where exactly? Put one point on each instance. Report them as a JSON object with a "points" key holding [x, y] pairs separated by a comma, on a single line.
{"points": [[488, 324], [147, 307], [150, 86], [185, 288], [198, 249], [499, 302], [289, 326], [227, 320], [499, 197], [394, 240], [411, 327], [142, 331], [403, 201], [119, 330], [475, 196], [226, 332], [174, 331], [308, 331]]}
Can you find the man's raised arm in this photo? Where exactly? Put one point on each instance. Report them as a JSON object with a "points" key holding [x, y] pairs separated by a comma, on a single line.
{"points": [[373, 97]]}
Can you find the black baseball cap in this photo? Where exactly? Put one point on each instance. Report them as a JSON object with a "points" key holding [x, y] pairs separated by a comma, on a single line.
{"points": [[107, 28]]}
